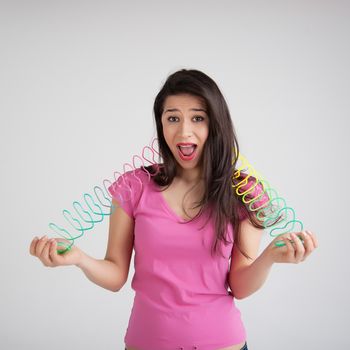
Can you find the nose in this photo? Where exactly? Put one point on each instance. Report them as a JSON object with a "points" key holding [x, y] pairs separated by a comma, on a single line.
{"points": [[185, 128]]}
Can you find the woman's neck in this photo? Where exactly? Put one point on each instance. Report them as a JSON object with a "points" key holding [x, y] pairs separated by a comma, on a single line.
{"points": [[189, 176]]}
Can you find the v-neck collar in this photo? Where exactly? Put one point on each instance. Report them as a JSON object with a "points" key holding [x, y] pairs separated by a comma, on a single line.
{"points": [[167, 207]]}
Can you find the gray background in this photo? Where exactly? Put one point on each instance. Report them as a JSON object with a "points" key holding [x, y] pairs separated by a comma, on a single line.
{"points": [[77, 84]]}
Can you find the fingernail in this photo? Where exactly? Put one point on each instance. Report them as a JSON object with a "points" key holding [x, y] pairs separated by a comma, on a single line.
{"points": [[309, 232]]}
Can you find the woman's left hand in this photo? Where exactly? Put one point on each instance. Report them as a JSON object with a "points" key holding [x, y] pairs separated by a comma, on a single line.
{"points": [[294, 251]]}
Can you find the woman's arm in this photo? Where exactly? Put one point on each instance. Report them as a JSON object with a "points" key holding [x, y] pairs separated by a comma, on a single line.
{"points": [[104, 273], [112, 271], [247, 276]]}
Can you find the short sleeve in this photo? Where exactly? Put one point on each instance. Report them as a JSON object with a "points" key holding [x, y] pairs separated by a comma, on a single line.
{"points": [[126, 191]]}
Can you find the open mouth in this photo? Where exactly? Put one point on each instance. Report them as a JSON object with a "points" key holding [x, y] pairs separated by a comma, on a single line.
{"points": [[187, 151]]}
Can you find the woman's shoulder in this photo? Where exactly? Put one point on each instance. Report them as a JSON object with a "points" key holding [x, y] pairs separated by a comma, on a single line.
{"points": [[140, 177], [141, 173], [130, 184]]}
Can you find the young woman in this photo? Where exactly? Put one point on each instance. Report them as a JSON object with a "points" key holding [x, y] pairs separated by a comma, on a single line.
{"points": [[196, 243]]}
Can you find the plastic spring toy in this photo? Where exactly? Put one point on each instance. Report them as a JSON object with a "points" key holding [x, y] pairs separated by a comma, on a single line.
{"points": [[95, 208], [270, 208], [247, 183]]}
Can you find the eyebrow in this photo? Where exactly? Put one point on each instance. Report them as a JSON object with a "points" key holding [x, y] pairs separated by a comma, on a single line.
{"points": [[192, 109]]}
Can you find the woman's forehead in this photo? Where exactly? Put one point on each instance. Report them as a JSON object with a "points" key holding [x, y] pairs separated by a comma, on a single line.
{"points": [[184, 101]]}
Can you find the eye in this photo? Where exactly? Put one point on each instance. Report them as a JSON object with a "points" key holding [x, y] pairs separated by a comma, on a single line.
{"points": [[171, 118], [200, 118]]}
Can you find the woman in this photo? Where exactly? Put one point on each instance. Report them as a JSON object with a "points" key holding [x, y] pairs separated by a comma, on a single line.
{"points": [[185, 222]]}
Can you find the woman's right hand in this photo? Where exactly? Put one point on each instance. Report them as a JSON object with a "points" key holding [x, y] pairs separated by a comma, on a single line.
{"points": [[46, 251]]}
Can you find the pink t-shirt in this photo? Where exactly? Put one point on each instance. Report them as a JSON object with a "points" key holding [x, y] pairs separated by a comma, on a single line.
{"points": [[181, 299]]}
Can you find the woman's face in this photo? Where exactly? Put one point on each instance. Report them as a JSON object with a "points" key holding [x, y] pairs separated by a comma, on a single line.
{"points": [[185, 127]]}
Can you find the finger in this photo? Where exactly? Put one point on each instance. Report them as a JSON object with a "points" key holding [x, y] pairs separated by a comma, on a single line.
{"points": [[313, 238], [55, 258], [32, 245], [40, 245], [44, 257], [299, 247], [290, 248], [280, 238], [287, 236], [308, 244]]}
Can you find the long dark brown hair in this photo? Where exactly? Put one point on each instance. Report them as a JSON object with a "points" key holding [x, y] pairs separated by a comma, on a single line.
{"points": [[220, 154]]}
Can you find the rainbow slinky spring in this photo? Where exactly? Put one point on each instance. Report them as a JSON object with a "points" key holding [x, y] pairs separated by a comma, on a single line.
{"points": [[246, 181], [264, 200]]}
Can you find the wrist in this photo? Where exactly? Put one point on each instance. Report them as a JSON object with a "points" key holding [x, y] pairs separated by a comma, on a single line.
{"points": [[82, 260], [267, 257]]}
